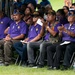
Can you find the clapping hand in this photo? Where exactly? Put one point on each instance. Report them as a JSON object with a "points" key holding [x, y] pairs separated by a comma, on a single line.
{"points": [[61, 28]]}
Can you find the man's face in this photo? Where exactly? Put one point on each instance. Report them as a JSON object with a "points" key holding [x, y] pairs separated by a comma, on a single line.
{"points": [[71, 18], [17, 17], [50, 17]]}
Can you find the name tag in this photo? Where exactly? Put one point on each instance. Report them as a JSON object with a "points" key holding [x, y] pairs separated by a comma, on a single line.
{"points": [[1, 22], [18, 27], [36, 29]]}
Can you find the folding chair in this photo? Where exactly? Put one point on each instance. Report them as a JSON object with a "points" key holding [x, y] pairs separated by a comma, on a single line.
{"points": [[72, 59]]}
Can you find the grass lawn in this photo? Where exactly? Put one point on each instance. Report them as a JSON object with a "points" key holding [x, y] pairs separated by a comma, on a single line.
{"points": [[18, 70], [56, 4]]}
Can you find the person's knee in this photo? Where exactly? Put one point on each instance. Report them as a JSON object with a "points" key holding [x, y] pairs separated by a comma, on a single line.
{"points": [[28, 47], [7, 44], [42, 45], [42, 48], [17, 44]]}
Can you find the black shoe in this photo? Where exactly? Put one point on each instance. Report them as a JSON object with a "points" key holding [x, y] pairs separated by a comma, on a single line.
{"points": [[64, 68], [40, 66], [24, 64], [50, 68], [6, 63], [31, 65], [56, 68]]}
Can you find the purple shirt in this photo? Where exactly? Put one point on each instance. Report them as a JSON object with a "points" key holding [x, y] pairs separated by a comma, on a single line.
{"points": [[47, 36], [4, 23], [65, 36], [17, 29], [34, 31]]}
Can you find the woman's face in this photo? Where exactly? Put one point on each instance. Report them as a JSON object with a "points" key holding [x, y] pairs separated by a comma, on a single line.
{"points": [[31, 6], [27, 11], [65, 9], [71, 18], [58, 15], [30, 21]]}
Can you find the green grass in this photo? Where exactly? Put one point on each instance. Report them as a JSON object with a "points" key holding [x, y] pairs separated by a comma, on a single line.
{"points": [[56, 4], [18, 70]]}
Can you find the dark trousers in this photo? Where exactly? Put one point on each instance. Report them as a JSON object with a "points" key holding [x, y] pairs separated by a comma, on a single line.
{"points": [[70, 49], [51, 49], [63, 50], [21, 50]]}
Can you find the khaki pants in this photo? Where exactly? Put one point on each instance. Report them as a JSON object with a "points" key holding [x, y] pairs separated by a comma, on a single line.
{"points": [[6, 50]]}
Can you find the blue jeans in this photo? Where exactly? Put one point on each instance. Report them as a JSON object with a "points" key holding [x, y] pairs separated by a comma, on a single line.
{"points": [[21, 49]]}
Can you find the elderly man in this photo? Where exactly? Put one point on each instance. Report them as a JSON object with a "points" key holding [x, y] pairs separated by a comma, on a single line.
{"points": [[67, 32], [17, 31]]}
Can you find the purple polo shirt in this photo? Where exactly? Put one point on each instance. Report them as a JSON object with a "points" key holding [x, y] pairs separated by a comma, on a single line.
{"points": [[17, 29], [65, 36], [47, 36], [34, 31], [4, 23]]}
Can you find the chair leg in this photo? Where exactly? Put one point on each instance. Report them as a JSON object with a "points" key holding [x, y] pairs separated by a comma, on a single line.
{"points": [[20, 62], [72, 59], [17, 60]]}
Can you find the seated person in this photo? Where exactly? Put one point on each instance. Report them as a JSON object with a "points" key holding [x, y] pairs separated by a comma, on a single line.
{"points": [[34, 30], [60, 16], [17, 31], [67, 32], [49, 30], [4, 23]]}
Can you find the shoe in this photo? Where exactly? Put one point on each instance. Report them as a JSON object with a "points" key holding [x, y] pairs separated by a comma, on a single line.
{"points": [[40, 66], [64, 68], [31, 65], [24, 64], [56, 68], [50, 68], [6, 63], [2, 64]]}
